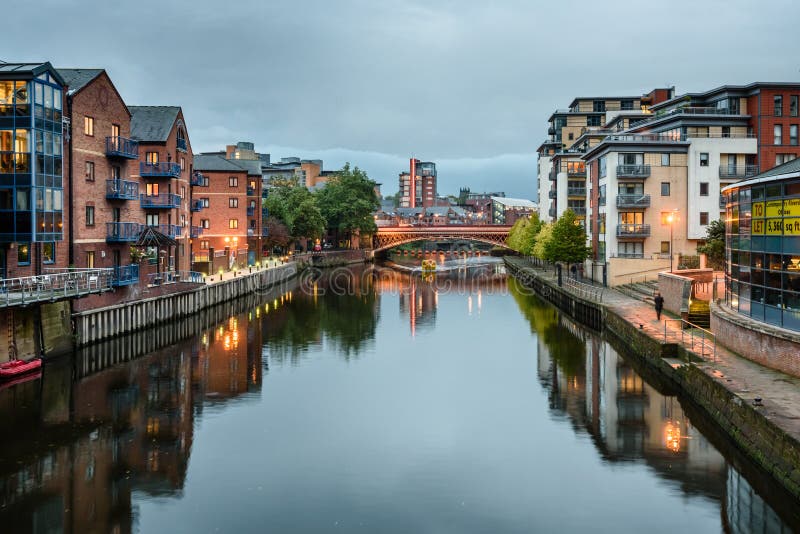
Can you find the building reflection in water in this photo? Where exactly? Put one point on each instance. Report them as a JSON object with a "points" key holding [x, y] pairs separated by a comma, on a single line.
{"points": [[596, 389]]}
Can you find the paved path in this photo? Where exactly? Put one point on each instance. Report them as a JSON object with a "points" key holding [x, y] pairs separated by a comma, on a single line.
{"points": [[780, 393], [216, 278]]}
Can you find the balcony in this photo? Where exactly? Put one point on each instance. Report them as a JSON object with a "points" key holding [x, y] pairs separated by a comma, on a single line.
{"points": [[169, 230], [251, 232], [552, 194], [125, 275], [722, 202], [551, 212], [122, 190], [737, 172], [196, 205], [633, 230], [633, 201], [122, 147], [553, 176], [251, 191], [160, 202], [180, 144], [264, 231], [576, 192], [195, 231], [160, 169], [633, 171], [580, 211], [251, 211], [121, 232], [576, 171], [197, 179], [601, 201]]}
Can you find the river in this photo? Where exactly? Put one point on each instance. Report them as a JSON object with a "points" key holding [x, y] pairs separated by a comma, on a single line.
{"points": [[364, 400]]}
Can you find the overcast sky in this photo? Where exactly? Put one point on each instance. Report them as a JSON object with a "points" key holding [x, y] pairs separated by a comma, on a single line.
{"points": [[469, 85]]}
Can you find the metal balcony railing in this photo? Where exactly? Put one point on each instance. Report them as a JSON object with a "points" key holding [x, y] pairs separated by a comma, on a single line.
{"points": [[55, 284], [578, 210], [122, 190], [633, 171], [737, 171], [180, 144], [633, 201], [160, 169], [264, 231], [576, 191], [552, 194], [195, 231], [633, 230], [251, 211], [170, 230], [174, 277], [125, 275], [576, 171], [251, 232], [121, 232], [162, 201], [196, 205], [251, 191], [122, 147], [601, 201], [197, 179]]}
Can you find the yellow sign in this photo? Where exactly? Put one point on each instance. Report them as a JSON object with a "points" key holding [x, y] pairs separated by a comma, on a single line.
{"points": [[791, 226], [774, 226], [774, 208], [758, 209], [758, 227], [791, 207]]}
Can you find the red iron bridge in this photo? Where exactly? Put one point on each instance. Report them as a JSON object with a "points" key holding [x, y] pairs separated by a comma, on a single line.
{"points": [[391, 236]]}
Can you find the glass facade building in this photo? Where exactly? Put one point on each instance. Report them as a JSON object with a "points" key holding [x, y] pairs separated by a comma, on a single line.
{"points": [[31, 155], [762, 248]]}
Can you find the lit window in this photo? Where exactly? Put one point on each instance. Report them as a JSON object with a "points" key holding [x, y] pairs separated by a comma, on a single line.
{"points": [[90, 259], [88, 126], [233, 223], [23, 254], [48, 252], [151, 158]]}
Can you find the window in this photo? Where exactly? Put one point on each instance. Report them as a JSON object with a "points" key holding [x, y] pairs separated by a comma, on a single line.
{"points": [[778, 106], [183, 164], [115, 172], [88, 126], [594, 120], [205, 223], [233, 181], [704, 159], [599, 106], [151, 157], [726, 131], [90, 171], [48, 252], [183, 220], [630, 250], [23, 254], [793, 105], [151, 190], [703, 218], [703, 189], [666, 216], [151, 219], [233, 223], [233, 202], [90, 259], [204, 244], [664, 189], [205, 202], [793, 134], [89, 215], [665, 160], [665, 247], [571, 136], [778, 134], [115, 130], [626, 104], [783, 158]]}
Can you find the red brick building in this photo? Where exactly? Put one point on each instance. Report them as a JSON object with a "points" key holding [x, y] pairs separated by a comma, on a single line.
{"points": [[220, 214]]}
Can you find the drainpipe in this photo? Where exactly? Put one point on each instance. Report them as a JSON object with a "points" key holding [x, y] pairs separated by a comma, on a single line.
{"points": [[70, 222]]}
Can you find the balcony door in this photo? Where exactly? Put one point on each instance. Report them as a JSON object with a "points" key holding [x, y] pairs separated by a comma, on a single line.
{"points": [[631, 159], [731, 164]]}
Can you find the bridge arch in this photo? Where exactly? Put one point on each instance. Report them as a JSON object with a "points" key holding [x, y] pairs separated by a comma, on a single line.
{"points": [[390, 237]]}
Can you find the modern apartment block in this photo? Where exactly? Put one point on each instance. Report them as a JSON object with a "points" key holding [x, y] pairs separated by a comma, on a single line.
{"points": [[417, 187], [33, 210]]}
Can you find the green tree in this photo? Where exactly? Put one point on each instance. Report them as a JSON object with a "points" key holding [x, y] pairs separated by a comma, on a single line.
{"points": [[348, 202], [530, 234], [714, 247], [515, 235], [568, 241], [543, 238], [277, 233], [307, 220]]}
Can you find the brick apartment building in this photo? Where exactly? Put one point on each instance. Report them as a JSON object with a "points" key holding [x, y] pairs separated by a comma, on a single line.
{"points": [[33, 206], [417, 187]]}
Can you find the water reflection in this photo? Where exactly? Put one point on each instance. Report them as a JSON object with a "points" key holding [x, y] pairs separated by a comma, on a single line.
{"points": [[101, 437]]}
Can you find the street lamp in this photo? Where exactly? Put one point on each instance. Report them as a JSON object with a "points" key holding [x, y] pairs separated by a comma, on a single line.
{"points": [[671, 219]]}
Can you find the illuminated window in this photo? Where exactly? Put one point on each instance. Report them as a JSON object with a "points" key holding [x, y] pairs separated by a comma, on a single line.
{"points": [[233, 223], [88, 126], [90, 259], [23, 254], [151, 157], [48, 252]]}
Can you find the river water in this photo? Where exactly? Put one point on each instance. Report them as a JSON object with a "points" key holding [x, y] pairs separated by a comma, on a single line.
{"points": [[363, 400]]}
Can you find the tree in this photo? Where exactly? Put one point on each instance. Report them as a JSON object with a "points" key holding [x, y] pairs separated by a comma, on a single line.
{"points": [[515, 235], [277, 233], [348, 202], [307, 220], [543, 238], [530, 234], [714, 247], [568, 241]]}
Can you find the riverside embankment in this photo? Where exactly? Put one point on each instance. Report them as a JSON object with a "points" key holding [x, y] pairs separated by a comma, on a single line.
{"points": [[713, 377]]}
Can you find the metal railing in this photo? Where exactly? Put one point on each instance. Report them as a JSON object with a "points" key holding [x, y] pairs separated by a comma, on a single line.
{"points": [[196, 205], [161, 201], [195, 231], [180, 144], [635, 171], [251, 211], [697, 335], [159, 169], [125, 275], [170, 230], [197, 178], [583, 290], [54, 285], [174, 277], [633, 201], [122, 147], [122, 190], [576, 191], [577, 210], [118, 232], [633, 230], [251, 191], [737, 171]]}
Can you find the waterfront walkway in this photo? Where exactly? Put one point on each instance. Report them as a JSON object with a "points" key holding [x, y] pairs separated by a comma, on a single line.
{"points": [[780, 393]]}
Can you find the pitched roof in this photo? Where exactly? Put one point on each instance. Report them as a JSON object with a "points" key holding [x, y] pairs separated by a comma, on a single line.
{"points": [[515, 202], [28, 70], [252, 166], [77, 79], [214, 162], [152, 123]]}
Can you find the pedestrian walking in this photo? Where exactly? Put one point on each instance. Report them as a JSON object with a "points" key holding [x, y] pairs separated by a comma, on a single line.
{"points": [[659, 302]]}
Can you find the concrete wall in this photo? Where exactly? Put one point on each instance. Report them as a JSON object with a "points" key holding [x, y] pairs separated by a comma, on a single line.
{"points": [[676, 290], [628, 270]]}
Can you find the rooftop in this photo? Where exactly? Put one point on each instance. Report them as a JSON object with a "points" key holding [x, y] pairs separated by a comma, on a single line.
{"points": [[77, 79], [515, 202], [11, 71], [152, 123], [790, 169], [215, 162]]}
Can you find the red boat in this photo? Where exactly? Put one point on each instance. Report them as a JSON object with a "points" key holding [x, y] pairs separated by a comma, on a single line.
{"points": [[15, 368]]}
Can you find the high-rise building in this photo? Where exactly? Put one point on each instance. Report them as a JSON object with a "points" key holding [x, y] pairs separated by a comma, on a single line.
{"points": [[417, 187]]}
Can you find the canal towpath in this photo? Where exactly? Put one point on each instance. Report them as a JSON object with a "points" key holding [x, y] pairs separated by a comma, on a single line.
{"points": [[747, 380]]}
